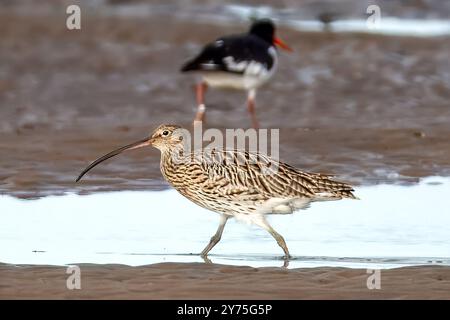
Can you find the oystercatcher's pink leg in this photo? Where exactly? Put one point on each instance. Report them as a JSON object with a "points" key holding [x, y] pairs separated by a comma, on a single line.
{"points": [[251, 108], [201, 89]]}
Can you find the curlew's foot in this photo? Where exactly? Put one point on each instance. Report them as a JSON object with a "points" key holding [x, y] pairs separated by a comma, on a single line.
{"points": [[286, 259], [205, 258]]}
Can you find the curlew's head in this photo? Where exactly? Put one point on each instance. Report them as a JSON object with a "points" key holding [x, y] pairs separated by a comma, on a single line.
{"points": [[166, 137]]}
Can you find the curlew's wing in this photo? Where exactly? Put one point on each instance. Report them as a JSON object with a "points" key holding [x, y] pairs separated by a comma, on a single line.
{"points": [[255, 177]]}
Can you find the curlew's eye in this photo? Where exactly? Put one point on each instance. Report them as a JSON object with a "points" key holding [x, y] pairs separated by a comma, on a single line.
{"points": [[165, 133]]}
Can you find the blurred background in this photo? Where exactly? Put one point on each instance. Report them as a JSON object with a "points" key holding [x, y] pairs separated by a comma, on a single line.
{"points": [[369, 105]]}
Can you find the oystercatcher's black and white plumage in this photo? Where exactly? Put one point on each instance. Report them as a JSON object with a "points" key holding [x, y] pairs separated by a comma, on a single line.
{"points": [[243, 62]]}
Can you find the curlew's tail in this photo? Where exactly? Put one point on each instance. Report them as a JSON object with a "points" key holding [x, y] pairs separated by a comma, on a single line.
{"points": [[327, 188]]}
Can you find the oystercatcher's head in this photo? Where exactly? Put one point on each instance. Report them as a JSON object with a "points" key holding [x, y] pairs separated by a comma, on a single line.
{"points": [[265, 29]]}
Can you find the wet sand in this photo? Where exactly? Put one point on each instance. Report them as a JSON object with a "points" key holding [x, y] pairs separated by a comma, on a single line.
{"points": [[367, 108], [206, 281]]}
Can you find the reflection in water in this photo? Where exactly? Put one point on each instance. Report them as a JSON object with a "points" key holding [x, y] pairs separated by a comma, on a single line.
{"points": [[390, 226]]}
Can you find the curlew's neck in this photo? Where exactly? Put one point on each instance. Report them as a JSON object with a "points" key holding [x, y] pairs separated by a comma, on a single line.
{"points": [[171, 166]]}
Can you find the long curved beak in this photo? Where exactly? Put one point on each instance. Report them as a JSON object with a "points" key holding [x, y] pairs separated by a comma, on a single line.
{"points": [[280, 43], [131, 146]]}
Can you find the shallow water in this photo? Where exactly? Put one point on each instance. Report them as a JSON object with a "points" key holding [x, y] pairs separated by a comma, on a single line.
{"points": [[390, 226]]}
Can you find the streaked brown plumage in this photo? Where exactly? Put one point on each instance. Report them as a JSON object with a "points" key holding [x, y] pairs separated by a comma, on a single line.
{"points": [[235, 183]]}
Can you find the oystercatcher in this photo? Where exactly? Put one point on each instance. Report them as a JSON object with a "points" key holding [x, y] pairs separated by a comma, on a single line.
{"points": [[244, 62]]}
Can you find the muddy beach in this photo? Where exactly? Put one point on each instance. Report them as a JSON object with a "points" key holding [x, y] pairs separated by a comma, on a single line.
{"points": [[371, 109], [368, 108], [203, 281]]}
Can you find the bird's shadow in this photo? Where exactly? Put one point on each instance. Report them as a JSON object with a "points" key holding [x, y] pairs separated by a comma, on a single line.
{"points": [[207, 260]]}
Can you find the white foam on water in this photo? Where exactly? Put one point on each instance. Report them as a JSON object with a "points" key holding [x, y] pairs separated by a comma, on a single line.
{"points": [[390, 226]]}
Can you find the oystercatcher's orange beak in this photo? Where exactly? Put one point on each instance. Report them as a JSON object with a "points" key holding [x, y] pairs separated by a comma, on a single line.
{"points": [[280, 43]]}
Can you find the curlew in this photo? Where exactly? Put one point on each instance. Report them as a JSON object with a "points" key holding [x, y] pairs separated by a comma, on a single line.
{"points": [[236, 184]]}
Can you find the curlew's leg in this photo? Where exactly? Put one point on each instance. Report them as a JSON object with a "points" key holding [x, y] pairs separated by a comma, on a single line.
{"points": [[201, 108], [251, 107], [280, 240], [215, 238]]}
